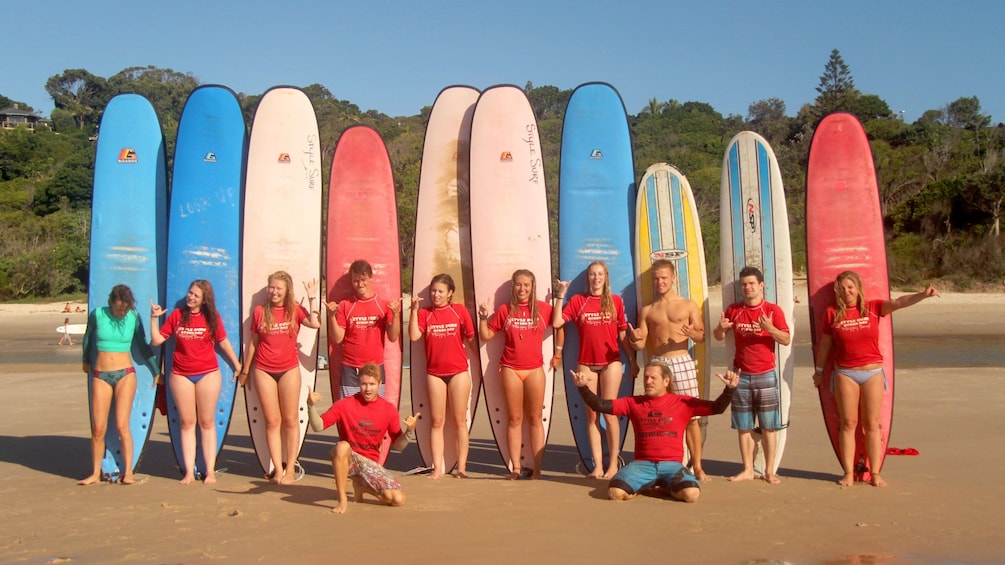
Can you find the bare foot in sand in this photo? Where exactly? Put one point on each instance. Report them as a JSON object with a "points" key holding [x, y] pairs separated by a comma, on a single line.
{"points": [[513, 475], [534, 476], [92, 480], [460, 474], [847, 480], [747, 475], [287, 479], [611, 472], [593, 475], [342, 506], [702, 476], [128, 479], [877, 481], [187, 480], [435, 474], [771, 479], [209, 479]]}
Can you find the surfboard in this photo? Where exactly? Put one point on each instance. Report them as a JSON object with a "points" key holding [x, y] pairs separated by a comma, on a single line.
{"points": [[72, 329], [128, 242], [669, 228], [443, 245], [754, 230], [204, 233], [282, 229], [596, 205], [509, 231], [844, 231], [363, 224]]}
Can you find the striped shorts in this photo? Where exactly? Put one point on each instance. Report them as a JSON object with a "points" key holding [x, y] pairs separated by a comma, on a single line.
{"points": [[684, 379]]}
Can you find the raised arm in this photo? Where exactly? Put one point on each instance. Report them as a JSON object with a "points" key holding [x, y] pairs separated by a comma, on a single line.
{"points": [[890, 306], [561, 287], [484, 331], [414, 333], [394, 331], [156, 339], [335, 331]]}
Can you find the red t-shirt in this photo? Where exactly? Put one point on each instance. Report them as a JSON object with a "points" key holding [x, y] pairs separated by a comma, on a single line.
{"points": [[363, 424], [855, 338], [658, 423], [598, 332], [277, 348], [365, 322], [194, 347], [444, 331], [755, 348], [524, 335]]}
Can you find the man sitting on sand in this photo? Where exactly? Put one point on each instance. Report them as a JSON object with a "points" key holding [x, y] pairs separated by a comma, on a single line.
{"points": [[363, 419], [659, 419]]}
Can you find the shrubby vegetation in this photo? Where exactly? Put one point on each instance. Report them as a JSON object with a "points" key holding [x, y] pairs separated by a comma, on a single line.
{"points": [[941, 178]]}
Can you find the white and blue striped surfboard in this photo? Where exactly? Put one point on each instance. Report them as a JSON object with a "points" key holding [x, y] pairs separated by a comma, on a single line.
{"points": [[754, 230]]}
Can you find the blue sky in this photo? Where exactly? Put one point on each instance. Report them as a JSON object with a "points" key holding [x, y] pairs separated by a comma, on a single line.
{"points": [[396, 56]]}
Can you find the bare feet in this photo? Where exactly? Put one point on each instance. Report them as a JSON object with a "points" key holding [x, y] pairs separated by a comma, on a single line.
{"points": [[187, 479], [593, 475], [746, 475], [611, 472], [847, 480], [772, 479], [91, 480], [342, 506], [514, 474], [877, 481], [127, 479], [288, 478], [209, 479], [460, 474], [702, 476], [437, 473], [532, 475]]}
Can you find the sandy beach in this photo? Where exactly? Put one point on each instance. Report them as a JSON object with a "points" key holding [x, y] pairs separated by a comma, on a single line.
{"points": [[942, 506]]}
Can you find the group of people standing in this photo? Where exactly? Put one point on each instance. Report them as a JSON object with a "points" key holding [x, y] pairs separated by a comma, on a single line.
{"points": [[665, 418]]}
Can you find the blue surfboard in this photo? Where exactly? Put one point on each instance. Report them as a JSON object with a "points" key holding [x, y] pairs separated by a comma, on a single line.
{"points": [[204, 232], [128, 240], [596, 212]]}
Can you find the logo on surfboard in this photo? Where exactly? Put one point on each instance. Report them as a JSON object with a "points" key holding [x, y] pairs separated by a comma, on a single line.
{"points": [[506, 156], [284, 158], [751, 215], [210, 157], [596, 154], [128, 155], [669, 254]]}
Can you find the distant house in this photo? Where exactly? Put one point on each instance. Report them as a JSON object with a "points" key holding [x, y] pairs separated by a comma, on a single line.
{"points": [[13, 117]]}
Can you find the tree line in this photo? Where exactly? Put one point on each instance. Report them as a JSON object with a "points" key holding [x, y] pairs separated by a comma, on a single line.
{"points": [[941, 178]]}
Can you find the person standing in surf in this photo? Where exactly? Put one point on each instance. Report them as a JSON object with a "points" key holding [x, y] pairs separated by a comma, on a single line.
{"points": [[523, 321], [757, 325], [600, 319], [665, 326], [360, 324], [66, 339], [658, 418], [850, 338], [273, 360], [195, 379], [446, 330], [363, 420], [112, 333]]}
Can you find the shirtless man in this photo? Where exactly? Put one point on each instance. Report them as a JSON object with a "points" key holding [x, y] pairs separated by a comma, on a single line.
{"points": [[665, 326]]}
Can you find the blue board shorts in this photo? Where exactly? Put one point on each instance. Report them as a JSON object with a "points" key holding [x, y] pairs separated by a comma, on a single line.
{"points": [[756, 395], [640, 475]]}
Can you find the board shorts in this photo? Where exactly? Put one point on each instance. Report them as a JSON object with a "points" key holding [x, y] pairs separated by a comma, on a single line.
{"points": [[371, 473], [349, 381], [113, 377], [641, 475], [684, 375], [756, 395]]}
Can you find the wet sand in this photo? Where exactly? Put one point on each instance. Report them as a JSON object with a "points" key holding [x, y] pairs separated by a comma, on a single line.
{"points": [[941, 506]]}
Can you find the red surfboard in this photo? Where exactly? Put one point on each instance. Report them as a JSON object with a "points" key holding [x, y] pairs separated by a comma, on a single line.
{"points": [[363, 224], [844, 231]]}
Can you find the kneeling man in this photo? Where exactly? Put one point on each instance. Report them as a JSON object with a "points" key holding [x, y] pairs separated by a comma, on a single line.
{"points": [[363, 419], [658, 418]]}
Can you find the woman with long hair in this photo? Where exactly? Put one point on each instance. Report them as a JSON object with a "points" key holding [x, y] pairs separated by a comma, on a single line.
{"points": [[600, 319], [851, 337], [524, 321], [112, 332], [445, 328], [272, 351], [195, 379]]}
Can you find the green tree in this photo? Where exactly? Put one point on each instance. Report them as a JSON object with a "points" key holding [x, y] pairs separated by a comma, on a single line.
{"points": [[82, 94], [836, 84]]}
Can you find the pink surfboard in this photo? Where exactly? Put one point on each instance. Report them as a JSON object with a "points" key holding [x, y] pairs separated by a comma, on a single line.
{"points": [[844, 231], [443, 245], [509, 231], [363, 224], [282, 228]]}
